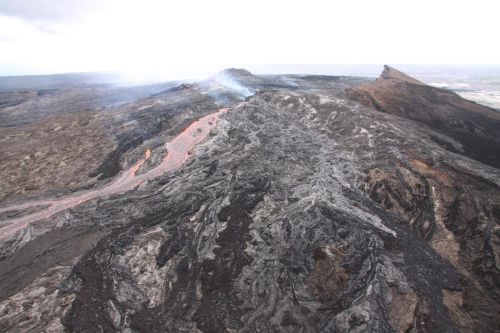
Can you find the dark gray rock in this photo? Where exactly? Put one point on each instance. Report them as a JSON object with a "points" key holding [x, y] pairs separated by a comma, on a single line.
{"points": [[303, 211]]}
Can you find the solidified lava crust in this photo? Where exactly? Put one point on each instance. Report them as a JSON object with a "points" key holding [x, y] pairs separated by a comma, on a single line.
{"points": [[324, 204]]}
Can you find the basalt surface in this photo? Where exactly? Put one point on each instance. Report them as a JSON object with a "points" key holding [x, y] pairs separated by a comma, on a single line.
{"points": [[296, 209]]}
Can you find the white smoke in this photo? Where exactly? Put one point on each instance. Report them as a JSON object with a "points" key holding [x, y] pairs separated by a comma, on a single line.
{"points": [[230, 83]]}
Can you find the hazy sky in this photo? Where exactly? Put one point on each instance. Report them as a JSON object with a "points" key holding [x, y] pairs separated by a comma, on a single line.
{"points": [[146, 36]]}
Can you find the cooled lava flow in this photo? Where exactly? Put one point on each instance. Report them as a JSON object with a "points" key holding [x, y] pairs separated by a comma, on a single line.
{"points": [[178, 151]]}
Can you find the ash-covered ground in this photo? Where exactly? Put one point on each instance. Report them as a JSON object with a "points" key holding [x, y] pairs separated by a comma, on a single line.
{"points": [[294, 203]]}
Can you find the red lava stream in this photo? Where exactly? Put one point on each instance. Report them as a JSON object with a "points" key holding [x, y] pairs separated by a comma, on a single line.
{"points": [[177, 153]]}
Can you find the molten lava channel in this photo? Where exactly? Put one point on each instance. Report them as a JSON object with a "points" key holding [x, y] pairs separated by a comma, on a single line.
{"points": [[178, 151]]}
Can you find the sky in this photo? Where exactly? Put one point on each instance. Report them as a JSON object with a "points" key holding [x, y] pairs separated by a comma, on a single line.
{"points": [[149, 37]]}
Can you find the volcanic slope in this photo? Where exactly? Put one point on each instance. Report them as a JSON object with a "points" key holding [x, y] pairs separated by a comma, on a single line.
{"points": [[302, 211], [473, 126]]}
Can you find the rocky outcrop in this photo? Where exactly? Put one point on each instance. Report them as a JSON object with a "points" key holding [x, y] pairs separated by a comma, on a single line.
{"points": [[390, 73], [455, 213]]}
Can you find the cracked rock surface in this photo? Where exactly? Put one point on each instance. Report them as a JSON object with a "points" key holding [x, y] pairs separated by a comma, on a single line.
{"points": [[303, 210]]}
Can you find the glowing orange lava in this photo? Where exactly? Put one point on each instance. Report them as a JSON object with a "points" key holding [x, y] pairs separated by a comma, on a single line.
{"points": [[178, 151]]}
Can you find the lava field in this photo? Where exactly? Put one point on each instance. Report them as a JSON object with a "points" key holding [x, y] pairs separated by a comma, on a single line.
{"points": [[250, 203]]}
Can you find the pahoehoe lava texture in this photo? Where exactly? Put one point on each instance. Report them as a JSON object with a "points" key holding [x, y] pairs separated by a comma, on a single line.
{"points": [[302, 211]]}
